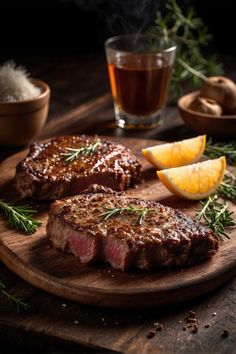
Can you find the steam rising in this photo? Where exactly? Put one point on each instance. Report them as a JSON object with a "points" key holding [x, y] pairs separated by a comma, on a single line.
{"points": [[122, 16]]}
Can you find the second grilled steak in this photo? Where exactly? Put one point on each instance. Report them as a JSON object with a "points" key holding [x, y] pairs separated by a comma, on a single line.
{"points": [[46, 172], [162, 237]]}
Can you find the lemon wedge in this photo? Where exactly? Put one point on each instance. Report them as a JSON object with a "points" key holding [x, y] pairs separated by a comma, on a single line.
{"points": [[176, 154], [195, 181]]}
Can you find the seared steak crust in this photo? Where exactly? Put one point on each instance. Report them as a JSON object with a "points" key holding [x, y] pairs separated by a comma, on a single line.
{"points": [[45, 173], [166, 237]]}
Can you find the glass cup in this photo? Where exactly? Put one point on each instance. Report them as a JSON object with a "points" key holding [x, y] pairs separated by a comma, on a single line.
{"points": [[140, 69]]}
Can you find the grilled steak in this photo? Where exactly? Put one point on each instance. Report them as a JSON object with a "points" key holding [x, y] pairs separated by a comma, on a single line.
{"points": [[164, 237], [46, 172]]}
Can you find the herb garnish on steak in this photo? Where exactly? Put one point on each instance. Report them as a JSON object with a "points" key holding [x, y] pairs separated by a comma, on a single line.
{"points": [[109, 212], [166, 237], [45, 173], [72, 153]]}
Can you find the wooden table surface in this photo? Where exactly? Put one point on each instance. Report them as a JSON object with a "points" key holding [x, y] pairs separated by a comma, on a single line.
{"points": [[81, 103]]}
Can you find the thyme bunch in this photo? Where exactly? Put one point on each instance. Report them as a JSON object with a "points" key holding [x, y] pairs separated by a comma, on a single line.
{"points": [[227, 189], [216, 215], [214, 150], [190, 34]]}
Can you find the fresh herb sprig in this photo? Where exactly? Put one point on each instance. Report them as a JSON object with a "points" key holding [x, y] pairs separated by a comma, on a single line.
{"points": [[216, 215], [109, 212], [20, 217], [214, 150], [227, 189], [190, 34], [13, 300], [72, 153]]}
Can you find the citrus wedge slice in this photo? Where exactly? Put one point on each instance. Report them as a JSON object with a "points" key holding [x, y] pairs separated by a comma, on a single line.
{"points": [[176, 154], [195, 181]]}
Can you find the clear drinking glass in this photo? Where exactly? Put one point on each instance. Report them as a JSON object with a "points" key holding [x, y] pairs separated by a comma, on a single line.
{"points": [[139, 70]]}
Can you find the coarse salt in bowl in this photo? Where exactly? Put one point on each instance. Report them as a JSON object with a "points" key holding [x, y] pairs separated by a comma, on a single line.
{"points": [[24, 111]]}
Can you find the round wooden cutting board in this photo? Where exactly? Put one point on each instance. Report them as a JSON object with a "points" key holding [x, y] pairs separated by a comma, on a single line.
{"points": [[34, 259]]}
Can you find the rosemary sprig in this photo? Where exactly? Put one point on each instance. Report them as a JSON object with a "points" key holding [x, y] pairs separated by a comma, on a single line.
{"points": [[190, 34], [227, 189], [72, 153], [129, 209], [216, 215], [20, 217], [20, 304], [217, 149]]}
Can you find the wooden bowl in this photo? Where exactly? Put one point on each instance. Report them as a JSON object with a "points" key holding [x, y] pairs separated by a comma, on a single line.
{"points": [[216, 126], [21, 121]]}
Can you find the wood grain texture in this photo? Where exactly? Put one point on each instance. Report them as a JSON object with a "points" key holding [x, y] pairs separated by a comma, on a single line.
{"points": [[34, 259], [52, 325]]}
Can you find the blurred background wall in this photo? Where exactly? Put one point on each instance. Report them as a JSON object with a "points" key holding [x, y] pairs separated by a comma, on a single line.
{"points": [[80, 26]]}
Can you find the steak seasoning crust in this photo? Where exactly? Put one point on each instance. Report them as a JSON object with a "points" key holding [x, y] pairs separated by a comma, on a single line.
{"points": [[46, 172], [164, 237]]}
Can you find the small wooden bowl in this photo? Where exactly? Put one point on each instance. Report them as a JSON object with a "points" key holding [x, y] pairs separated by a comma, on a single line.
{"points": [[21, 121], [216, 126]]}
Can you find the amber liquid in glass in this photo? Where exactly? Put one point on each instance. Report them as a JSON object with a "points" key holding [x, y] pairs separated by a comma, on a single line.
{"points": [[140, 87]]}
